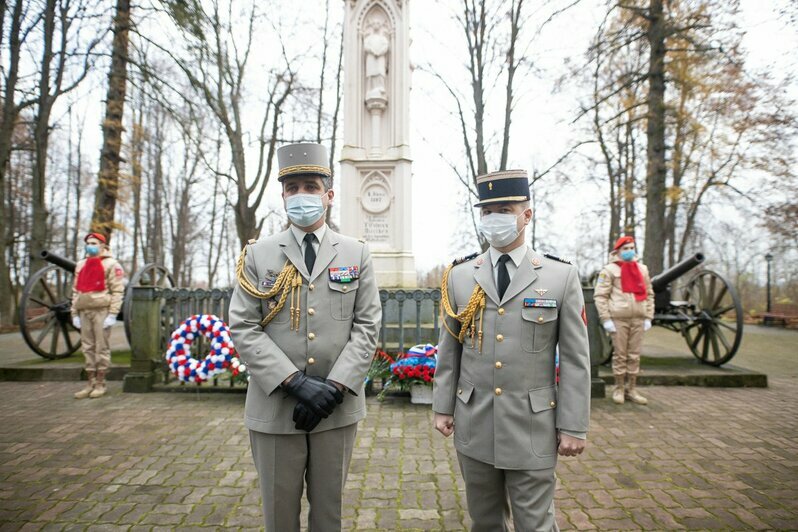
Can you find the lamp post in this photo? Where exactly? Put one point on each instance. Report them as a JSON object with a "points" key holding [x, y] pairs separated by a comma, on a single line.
{"points": [[769, 259]]}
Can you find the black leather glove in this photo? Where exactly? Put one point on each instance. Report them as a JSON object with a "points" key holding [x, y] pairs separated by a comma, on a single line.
{"points": [[316, 393], [304, 419]]}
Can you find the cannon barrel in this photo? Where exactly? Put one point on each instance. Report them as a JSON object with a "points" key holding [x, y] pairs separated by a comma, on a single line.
{"points": [[58, 260], [660, 282]]}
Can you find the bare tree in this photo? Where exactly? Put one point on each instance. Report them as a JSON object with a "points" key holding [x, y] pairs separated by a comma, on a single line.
{"points": [[11, 110], [492, 33], [58, 20], [108, 179], [214, 62]]}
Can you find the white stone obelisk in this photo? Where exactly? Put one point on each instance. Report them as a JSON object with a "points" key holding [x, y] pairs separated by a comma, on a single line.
{"points": [[375, 159]]}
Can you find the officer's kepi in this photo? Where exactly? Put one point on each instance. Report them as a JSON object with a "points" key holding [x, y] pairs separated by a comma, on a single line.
{"points": [[506, 186], [306, 158]]}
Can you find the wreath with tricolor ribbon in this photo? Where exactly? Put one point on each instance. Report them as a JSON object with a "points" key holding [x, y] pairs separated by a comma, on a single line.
{"points": [[222, 356]]}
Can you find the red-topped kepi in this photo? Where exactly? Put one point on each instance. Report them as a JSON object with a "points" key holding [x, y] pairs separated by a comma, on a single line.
{"points": [[622, 241], [98, 236]]}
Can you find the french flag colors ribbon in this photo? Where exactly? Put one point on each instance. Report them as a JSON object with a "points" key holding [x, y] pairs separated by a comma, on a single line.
{"points": [[222, 356]]}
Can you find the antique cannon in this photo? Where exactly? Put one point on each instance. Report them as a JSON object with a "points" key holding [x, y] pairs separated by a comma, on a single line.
{"points": [[44, 310], [709, 316]]}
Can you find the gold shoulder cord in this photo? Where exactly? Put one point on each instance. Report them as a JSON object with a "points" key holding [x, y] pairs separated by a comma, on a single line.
{"points": [[467, 318], [289, 280]]}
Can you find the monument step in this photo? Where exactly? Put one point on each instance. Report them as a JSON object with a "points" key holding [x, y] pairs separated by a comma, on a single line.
{"points": [[55, 372], [688, 371]]}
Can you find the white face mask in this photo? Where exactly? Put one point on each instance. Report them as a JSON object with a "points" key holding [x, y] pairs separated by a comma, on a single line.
{"points": [[500, 230], [304, 210]]}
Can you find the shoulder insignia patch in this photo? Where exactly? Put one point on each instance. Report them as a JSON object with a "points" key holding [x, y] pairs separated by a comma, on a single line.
{"points": [[554, 257], [467, 258]]}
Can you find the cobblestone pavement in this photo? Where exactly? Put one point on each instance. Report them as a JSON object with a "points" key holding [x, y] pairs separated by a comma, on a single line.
{"points": [[696, 458]]}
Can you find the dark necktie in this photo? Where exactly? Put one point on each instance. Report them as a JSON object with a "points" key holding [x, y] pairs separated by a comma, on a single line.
{"points": [[310, 254], [503, 279]]}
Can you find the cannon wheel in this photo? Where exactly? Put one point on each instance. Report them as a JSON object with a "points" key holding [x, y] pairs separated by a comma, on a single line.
{"points": [[717, 326], [150, 275], [44, 317]]}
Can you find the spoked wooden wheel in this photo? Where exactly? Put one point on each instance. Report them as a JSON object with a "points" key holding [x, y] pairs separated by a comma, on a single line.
{"points": [[150, 275], [715, 332], [44, 314]]}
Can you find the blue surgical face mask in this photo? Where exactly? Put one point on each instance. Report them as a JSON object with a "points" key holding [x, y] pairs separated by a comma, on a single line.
{"points": [[627, 255], [304, 210], [92, 250]]}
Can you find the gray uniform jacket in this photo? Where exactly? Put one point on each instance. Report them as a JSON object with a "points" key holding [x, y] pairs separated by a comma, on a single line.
{"points": [[337, 333], [506, 406]]}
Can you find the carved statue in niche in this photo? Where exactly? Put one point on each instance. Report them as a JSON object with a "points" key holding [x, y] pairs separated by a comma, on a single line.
{"points": [[376, 46]]}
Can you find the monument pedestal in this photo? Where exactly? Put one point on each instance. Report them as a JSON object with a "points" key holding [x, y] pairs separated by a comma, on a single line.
{"points": [[375, 160]]}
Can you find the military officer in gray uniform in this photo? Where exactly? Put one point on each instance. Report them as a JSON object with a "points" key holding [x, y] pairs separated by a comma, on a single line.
{"points": [[507, 312], [304, 317]]}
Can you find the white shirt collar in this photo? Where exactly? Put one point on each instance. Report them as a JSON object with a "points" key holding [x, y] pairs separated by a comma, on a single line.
{"points": [[299, 234], [516, 255]]}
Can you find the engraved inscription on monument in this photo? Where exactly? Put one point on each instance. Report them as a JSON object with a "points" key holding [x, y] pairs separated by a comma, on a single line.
{"points": [[376, 198], [376, 228]]}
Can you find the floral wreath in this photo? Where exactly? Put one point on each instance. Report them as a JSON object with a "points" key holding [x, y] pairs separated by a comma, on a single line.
{"points": [[223, 355], [419, 363]]}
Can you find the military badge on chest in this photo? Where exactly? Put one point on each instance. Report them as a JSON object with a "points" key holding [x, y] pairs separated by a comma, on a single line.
{"points": [[269, 278], [344, 274]]}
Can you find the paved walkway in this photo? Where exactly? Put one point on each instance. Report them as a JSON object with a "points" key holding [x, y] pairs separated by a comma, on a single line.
{"points": [[695, 458]]}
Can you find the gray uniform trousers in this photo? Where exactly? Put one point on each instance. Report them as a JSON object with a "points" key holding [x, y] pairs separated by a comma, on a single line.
{"points": [[285, 461], [492, 493]]}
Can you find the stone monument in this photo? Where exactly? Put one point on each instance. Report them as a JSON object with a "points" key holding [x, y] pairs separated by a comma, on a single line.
{"points": [[375, 158]]}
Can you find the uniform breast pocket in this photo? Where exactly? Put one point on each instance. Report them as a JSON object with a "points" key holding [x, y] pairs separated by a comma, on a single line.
{"points": [[540, 328], [342, 299]]}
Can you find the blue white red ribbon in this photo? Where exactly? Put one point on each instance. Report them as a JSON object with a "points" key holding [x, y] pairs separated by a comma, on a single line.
{"points": [[222, 357]]}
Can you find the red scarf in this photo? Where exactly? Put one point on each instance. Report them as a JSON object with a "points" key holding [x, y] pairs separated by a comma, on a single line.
{"points": [[92, 276], [632, 280]]}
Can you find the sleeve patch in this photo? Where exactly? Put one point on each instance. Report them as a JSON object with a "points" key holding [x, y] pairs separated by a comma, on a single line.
{"points": [[118, 271]]}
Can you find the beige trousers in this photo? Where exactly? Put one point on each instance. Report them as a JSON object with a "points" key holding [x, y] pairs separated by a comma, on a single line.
{"points": [[95, 339], [285, 461], [627, 343], [492, 493]]}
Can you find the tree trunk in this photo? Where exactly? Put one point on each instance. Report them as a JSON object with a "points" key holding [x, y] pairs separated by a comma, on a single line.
{"points": [[656, 171], [338, 99], [108, 180], [136, 154], [41, 137], [512, 66], [9, 120]]}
